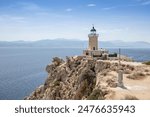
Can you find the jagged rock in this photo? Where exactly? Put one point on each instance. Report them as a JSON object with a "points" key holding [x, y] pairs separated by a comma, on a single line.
{"points": [[73, 79], [37, 94], [101, 65], [97, 94], [57, 61], [79, 78], [111, 83], [50, 68], [88, 75]]}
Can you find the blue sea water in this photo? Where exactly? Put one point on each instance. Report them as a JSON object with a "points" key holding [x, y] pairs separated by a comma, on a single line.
{"points": [[23, 69]]}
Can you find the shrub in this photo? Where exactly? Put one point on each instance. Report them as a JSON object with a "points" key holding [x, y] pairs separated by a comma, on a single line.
{"points": [[56, 83], [146, 63], [111, 83], [95, 95], [146, 70], [136, 76], [127, 71], [113, 55], [130, 97]]}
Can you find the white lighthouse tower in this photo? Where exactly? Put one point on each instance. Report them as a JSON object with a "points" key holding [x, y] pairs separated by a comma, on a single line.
{"points": [[92, 50]]}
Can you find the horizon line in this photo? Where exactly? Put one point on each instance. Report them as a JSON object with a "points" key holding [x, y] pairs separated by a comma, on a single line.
{"points": [[68, 40]]}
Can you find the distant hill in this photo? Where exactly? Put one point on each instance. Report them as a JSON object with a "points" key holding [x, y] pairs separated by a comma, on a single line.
{"points": [[124, 44], [64, 43]]}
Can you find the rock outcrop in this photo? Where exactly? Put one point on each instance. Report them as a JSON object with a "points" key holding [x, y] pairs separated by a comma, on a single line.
{"points": [[78, 78]]}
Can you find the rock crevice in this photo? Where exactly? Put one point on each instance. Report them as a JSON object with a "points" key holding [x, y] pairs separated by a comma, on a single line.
{"points": [[79, 78]]}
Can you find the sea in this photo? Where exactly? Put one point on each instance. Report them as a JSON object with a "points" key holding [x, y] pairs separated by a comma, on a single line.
{"points": [[22, 69]]}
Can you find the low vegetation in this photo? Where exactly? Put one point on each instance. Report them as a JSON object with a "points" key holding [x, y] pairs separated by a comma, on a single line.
{"points": [[130, 97], [127, 71], [56, 83], [136, 76], [96, 95], [146, 63]]}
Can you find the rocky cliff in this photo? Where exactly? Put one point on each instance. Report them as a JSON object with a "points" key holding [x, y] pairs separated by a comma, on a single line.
{"points": [[78, 78]]}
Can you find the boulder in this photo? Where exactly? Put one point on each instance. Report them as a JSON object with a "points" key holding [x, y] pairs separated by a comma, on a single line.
{"points": [[57, 61]]}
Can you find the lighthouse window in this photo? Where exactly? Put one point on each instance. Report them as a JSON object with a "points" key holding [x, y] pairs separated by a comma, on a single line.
{"points": [[87, 53]]}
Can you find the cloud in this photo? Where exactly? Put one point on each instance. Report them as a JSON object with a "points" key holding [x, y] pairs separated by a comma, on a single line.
{"points": [[139, 3], [146, 3], [91, 5], [108, 8], [113, 30], [11, 18], [18, 19], [139, 0], [43, 13], [30, 6], [69, 10]]}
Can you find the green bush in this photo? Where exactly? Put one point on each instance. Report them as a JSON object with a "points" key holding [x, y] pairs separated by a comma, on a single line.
{"points": [[146, 63], [113, 55]]}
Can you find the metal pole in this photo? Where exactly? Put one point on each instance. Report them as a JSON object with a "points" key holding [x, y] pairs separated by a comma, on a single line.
{"points": [[119, 57]]}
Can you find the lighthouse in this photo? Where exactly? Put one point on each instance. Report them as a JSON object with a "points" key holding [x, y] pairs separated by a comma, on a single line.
{"points": [[93, 49], [93, 39]]}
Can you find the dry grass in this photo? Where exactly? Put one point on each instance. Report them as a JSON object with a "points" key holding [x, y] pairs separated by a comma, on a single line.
{"points": [[96, 95], [127, 71], [111, 83], [130, 97], [136, 76], [146, 70]]}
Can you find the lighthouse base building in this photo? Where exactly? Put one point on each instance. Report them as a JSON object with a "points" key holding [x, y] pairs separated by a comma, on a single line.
{"points": [[93, 50]]}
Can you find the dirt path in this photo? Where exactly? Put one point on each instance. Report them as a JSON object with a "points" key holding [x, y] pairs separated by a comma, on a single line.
{"points": [[138, 88]]}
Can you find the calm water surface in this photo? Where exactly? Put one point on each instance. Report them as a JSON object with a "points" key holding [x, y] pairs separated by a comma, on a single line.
{"points": [[23, 69]]}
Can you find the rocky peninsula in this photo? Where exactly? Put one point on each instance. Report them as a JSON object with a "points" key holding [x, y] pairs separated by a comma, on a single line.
{"points": [[79, 78], [96, 75]]}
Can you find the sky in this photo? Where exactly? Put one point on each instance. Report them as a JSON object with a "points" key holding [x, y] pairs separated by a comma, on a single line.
{"points": [[31, 20]]}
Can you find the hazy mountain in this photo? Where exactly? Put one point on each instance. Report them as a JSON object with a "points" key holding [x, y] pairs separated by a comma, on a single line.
{"points": [[124, 44], [64, 43]]}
